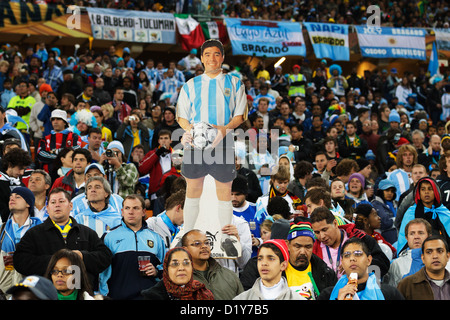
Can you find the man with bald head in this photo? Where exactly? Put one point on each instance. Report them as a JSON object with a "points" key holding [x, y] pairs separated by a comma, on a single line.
{"points": [[430, 158]]}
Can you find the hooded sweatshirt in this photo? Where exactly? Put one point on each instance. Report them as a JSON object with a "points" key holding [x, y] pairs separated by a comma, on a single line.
{"points": [[438, 215]]}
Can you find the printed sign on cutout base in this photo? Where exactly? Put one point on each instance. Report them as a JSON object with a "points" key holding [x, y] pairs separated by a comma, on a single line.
{"points": [[208, 222]]}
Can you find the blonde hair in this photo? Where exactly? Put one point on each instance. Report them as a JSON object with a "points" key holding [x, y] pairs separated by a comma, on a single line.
{"points": [[266, 224], [404, 148], [281, 173], [108, 110], [4, 63]]}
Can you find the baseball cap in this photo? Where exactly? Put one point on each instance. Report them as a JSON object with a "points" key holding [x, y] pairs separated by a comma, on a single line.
{"points": [[386, 184], [42, 287], [94, 166]]}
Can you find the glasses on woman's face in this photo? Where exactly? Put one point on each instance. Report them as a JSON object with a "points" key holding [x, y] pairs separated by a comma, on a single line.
{"points": [[356, 253], [65, 272], [176, 263], [198, 244]]}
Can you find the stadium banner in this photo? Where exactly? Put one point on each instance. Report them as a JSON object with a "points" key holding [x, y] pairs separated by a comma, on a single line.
{"points": [[133, 26], [387, 42], [40, 19], [329, 40], [442, 39], [262, 38]]}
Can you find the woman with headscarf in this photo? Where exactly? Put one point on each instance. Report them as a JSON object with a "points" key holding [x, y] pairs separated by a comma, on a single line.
{"points": [[178, 282], [428, 205]]}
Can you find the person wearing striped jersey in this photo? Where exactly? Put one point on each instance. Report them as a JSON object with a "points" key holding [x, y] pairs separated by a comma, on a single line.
{"points": [[219, 100], [80, 201], [100, 216], [401, 177], [170, 83]]}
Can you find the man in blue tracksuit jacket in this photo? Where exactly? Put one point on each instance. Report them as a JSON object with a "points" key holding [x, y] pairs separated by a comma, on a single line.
{"points": [[132, 238]]}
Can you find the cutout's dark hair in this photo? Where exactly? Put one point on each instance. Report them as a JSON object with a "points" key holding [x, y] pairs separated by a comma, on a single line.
{"points": [[211, 43]]}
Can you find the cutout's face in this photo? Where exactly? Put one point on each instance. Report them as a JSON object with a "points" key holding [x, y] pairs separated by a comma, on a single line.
{"points": [[212, 58]]}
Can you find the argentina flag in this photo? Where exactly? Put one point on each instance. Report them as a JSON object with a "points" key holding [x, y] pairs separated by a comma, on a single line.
{"points": [[265, 38], [386, 42], [329, 40], [401, 180], [442, 39]]}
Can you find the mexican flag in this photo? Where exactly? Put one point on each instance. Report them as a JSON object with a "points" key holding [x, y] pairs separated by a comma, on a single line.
{"points": [[215, 30], [190, 32]]}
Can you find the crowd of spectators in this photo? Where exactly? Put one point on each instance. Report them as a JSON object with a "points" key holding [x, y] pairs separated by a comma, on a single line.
{"points": [[97, 132], [420, 14]]}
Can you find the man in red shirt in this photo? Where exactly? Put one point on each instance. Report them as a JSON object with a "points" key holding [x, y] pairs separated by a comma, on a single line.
{"points": [[58, 139], [157, 162]]}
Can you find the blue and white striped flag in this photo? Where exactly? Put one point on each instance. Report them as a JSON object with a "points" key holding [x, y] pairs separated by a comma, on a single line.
{"points": [[329, 40], [386, 42], [442, 39]]}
